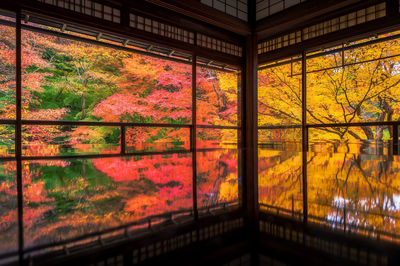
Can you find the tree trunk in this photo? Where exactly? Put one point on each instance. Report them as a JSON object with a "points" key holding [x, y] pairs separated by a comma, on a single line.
{"points": [[83, 103], [379, 133], [83, 169], [368, 132], [386, 112]]}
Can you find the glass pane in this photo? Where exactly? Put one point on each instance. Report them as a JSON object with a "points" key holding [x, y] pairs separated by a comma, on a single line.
{"points": [[69, 198], [288, 139], [217, 138], [67, 140], [65, 79], [157, 139], [280, 172], [217, 179], [365, 92], [8, 207], [373, 51], [7, 140], [354, 140], [325, 59], [7, 73], [217, 97], [279, 94]]}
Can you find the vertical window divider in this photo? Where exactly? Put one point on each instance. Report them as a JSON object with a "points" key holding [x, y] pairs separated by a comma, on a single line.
{"points": [[343, 63], [291, 67], [395, 139], [240, 136], [123, 145], [18, 130], [193, 137], [304, 132]]}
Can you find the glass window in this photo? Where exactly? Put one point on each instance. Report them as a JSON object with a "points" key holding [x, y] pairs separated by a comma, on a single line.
{"points": [[279, 93], [38, 140], [7, 73], [351, 171], [8, 169], [217, 138], [7, 140], [106, 136], [157, 139], [217, 96], [358, 92], [64, 79], [280, 174]]}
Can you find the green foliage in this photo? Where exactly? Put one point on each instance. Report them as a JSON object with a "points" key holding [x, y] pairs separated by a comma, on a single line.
{"points": [[58, 180]]}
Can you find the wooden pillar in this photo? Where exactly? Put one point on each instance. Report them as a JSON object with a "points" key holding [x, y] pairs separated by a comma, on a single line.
{"points": [[250, 158], [392, 8]]}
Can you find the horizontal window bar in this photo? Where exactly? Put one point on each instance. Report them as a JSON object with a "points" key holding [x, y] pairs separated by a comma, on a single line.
{"points": [[7, 122], [99, 123], [218, 127], [355, 124], [279, 127]]}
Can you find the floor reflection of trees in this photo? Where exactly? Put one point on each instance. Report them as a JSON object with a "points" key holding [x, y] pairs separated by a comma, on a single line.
{"points": [[68, 198], [344, 189], [355, 189]]}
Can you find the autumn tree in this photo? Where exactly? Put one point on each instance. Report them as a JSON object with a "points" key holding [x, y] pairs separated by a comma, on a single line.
{"points": [[365, 89]]}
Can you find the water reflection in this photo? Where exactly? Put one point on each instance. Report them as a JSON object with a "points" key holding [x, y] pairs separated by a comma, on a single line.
{"points": [[34, 150], [280, 181], [357, 192], [217, 179], [350, 186], [68, 198], [354, 147]]}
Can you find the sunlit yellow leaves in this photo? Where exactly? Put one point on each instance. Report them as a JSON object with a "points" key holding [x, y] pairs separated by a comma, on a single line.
{"points": [[279, 95], [279, 179], [228, 190], [217, 97]]}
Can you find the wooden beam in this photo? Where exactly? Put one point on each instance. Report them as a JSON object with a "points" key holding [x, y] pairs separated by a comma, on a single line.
{"points": [[299, 14], [70, 17], [392, 8], [187, 22], [364, 30], [195, 9]]}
